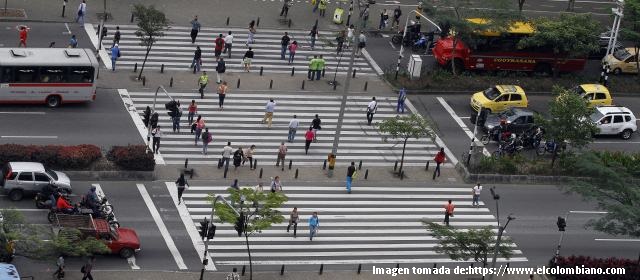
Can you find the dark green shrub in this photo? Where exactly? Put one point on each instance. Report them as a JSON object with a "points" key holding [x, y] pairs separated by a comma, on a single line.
{"points": [[52, 156], [132, 157]]}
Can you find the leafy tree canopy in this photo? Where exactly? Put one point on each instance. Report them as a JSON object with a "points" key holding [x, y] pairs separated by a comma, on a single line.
{"points": [[266, 215], [151, 23], [571, 34]]}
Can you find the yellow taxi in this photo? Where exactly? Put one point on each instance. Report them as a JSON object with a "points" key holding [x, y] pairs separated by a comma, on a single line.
{"points": [[595, 94], [622, 61], [499, 98]]}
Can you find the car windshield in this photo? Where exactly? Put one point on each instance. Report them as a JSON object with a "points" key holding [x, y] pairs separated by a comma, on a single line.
{"points": [[52, 174], [508, 114], [596, 116], [621, 54], [578, 90], [491, 93]]}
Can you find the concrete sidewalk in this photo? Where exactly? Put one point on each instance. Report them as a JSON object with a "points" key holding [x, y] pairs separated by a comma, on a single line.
{"points": [[210, 13], [327, 275]]}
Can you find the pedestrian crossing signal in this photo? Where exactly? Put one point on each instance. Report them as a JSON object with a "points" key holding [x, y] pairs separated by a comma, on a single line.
{"points": [[204, 226], [240, 224], [562, 224], [212, 231]]}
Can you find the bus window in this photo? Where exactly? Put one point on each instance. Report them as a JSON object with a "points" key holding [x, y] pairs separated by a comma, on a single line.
{"points": [[6, 74], [80, 75], [25, 74], [52, 74]]}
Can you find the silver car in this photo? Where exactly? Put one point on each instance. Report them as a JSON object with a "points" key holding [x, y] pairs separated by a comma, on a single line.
{"points": [[22, 178]]}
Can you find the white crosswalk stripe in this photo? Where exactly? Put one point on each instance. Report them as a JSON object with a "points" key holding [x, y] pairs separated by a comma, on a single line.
{"points": [[389, 231], [240, 123], [175, 51]]}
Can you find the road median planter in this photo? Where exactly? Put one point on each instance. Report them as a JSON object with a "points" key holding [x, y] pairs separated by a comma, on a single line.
{"points": [[86, 162]]}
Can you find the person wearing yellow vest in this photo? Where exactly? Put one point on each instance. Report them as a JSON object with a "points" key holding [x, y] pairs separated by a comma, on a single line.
{"points": [[323, 7], [320, 67], [202, 82], [313, 67]]}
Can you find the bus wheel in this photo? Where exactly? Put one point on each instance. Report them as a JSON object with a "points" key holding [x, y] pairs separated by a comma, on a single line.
{"points": [[53, 101], [543, 69]]}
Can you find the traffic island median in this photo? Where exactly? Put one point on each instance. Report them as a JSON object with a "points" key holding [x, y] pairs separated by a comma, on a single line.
{"points": [[86, 162]]}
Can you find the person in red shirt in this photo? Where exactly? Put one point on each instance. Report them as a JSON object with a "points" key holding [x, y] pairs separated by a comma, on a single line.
{"points": [[23, 30], [309, 138], [63, 205], [448, 212], [439, 159], [219, 45]]}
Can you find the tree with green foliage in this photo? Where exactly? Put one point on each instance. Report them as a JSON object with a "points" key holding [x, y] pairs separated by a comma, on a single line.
{"points": [[405, 127], [571, 35], [615, 186], [569, 120], [630, 27], [472, 244], [151, 25], [20, 238], [257, 209]]}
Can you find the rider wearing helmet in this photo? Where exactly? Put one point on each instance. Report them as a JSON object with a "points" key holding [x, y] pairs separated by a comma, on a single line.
{"points": [[92, 201], [63, 205]]}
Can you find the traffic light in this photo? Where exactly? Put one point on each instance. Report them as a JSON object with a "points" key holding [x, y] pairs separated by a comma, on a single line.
{"points": [[240, 224], [562, 223], [154, 120], [212, 231], [146, 116], [204, 226]]}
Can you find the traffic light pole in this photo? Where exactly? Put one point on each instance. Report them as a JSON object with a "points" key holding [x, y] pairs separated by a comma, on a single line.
{"points": [[566, 216], [153, 110], [498, 241], [205, 261]]}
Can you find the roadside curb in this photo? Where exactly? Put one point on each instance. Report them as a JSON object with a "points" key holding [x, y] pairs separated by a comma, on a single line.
{"points": [[103, 175], [469, 177]]}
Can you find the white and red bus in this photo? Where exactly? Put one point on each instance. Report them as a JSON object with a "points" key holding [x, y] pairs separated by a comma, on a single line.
{"points": [[51, 76]]}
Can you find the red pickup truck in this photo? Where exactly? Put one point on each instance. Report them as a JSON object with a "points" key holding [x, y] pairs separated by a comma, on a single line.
{"points": [[122, 241]]}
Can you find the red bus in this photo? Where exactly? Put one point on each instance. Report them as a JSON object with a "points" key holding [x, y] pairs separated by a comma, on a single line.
{"points": [[493, 51]]}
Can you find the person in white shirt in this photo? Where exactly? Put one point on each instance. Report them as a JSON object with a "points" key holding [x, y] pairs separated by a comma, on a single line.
{"points": [[157, 134], [226, 154], [293, 127], [371, 110], [228, 43], [268, 115], [82, 11], [476, 195]]}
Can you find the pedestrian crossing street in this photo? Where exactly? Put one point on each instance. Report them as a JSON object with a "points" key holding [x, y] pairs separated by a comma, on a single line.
{"points": [[372, 225], [240, 123], [175, 50]]}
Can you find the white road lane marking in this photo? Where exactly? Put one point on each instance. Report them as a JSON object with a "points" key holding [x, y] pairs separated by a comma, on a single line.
{"points": [[373, 62], [460, 122], [452, 157], [392, 46], [31, 136], [137, 121], [198, 244], [616, 240], [104, 56], [67, 26], [360, 261], [23, 113], [162, 227]]}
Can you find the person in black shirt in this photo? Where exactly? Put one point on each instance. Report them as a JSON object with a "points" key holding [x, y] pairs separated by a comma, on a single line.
{"points": [[315, 125], [246, 59], [284, 43], [181, 183], [350, 171]]}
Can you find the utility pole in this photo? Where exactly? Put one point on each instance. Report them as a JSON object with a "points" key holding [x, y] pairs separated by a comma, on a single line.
{"points": [[205, 261], [498, 240]]}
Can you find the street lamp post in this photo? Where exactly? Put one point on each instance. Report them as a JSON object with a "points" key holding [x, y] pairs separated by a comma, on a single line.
{"points": [[496, 197], [618, 13], [153, 110], [566, 216], [205, 261], [498, 241], [404, 34]]}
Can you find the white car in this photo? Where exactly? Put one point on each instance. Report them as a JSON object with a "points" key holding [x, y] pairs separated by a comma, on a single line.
{"points": [[615, 120]]}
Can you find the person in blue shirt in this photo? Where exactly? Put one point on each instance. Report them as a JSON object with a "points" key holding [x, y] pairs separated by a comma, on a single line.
{"points": [[402, 96], [314, 223], [115, 54], [73, 42]]}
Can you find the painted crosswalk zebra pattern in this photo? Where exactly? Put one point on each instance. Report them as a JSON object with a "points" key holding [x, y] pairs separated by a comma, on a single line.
{"points": [[240, 123], [175, 50], [372, 225]]}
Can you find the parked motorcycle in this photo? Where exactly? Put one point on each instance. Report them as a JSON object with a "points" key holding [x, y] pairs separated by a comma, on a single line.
{"points": [[511, 147]]}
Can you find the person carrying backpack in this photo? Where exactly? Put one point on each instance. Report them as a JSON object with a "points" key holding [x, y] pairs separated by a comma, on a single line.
{"points": [[237, 157], [206, 139], [371, 110]]}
